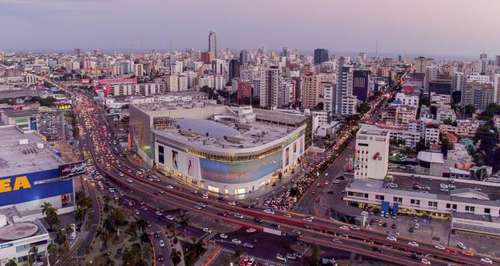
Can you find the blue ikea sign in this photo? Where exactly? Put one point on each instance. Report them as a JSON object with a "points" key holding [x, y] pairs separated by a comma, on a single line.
{"points": [[33, 186]]}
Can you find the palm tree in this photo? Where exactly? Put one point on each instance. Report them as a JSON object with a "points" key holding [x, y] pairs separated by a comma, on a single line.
{"points": [[141, 224], [52, 250], [32, 255], [46, 206], [50, 214]]}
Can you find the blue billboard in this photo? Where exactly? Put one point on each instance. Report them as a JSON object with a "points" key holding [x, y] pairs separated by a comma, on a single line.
{"points": [[33, 186], [240, 172]]}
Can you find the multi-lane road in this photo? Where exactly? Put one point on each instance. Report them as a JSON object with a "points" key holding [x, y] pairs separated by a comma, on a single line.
{"points": [[313, 230]]}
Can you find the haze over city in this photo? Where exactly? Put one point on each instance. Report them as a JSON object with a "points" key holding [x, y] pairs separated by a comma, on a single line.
{"points": [[442, 27]]}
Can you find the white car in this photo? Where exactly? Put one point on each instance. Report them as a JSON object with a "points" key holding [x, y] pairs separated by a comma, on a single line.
{"points": [[223, 236], [309, 219], [290, 256], [170, 217], [251, 230], [247, 245], [461, 245], [232, 203], [280, 257], [439, 247], [269, 211], [205, 195], [162, 243], [425, 261], [344, 227], [207, 230], [238, 215], [413, 244], [486, 260], [391, 238], [236, 241], [170, 187]]}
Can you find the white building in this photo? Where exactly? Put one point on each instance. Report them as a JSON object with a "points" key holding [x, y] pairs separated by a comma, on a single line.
{"points": [[346, 101], [372, 153], [407, 99], [445, 112], [431, 134]]}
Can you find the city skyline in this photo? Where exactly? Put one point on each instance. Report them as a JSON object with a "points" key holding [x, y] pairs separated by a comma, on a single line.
{"points": [[389, 26]]}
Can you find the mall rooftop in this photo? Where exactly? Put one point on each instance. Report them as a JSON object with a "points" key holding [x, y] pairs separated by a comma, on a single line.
{"points": [[24, 152]]}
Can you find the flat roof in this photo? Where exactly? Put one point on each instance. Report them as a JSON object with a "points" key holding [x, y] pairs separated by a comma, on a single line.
{"points": [[431, 157], [20, 113], [32, 156]]}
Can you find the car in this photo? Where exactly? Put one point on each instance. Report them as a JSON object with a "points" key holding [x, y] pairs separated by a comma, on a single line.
{"points": [[137, 212], [309, 219], [223, 236], [269, 211], [425, 261], [392, 238], [291, 256], [207, 230], [354, 227], [161, 258], [158, 213], [198, 207], [439, 247], [461, 245], [162, 243], [468, 253], [205, 195], [251, 230], [411, 229], [280, 257], [452, 251], [170, 217], [239, 215], [156, 235], [236, 241], [247, 245], [232, 203], [413, 244], [344, 227], [170, 187], [486, 260]]}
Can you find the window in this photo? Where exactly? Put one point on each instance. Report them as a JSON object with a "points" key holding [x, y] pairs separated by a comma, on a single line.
{"points": [[469, 208], [454, 206], [350, 193], [398, 199], [379, 197], [161, 154], [432, 204], [448, 205], [487, 210], [415, 202]]}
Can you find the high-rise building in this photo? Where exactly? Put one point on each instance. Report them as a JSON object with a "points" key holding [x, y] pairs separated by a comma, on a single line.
{"points": [[244, 57], [212, 44], [496, 88], [270, 86], [244, 94], [310, 90], [234, 69], [484, 61], [421, 63], [345, 100], [320, 56], [457, 81], [497, 61], [329, 97], [139, 70], [478, 94], [372, 153], [360, 83]]}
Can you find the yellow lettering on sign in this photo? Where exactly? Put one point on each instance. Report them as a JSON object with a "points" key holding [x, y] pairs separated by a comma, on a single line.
{"points": [[5, 185], [22, 182]]}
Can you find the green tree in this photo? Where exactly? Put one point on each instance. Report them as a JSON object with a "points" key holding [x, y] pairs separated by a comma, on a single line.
{"points": [[79, 215], [32, 254], [315, 256], [11, 262], [50, 215], [364, 107], [142, 224], [52, 250], [469, 110]]}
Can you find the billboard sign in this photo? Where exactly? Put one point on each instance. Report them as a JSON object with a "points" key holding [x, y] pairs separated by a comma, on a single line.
{"points": [[72, 169], [33, 186]]}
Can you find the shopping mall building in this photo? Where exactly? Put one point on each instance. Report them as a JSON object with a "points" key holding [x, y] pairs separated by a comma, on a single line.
{"points": [[223, 149]]}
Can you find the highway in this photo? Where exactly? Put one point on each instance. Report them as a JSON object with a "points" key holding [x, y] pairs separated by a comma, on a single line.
{"points": [[319, 231]]}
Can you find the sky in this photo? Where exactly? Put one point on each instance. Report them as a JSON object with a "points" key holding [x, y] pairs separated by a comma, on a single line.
{"points": [[440, 27]]}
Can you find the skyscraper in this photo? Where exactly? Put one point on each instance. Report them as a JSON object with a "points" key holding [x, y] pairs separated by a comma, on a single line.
{"points": [[212, 44], [234, 69], [361, 81], [270, 86], [497, 61], [346, 101], [310, 90], [244, 57], [320, 56], [484, 61]]}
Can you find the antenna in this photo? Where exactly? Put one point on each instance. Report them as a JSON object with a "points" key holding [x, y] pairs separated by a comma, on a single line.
{"points": [[376, 48]]}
